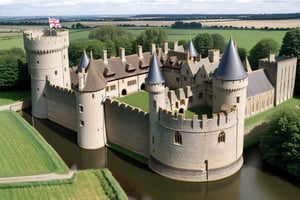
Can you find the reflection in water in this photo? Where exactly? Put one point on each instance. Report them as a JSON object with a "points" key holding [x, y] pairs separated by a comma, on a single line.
{"points": [[253, 181]]}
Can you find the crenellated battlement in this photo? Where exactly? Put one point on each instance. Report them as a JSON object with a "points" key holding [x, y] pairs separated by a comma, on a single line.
{"points": [[178, 121], [59, 88], [125, 107], [41, 42]]}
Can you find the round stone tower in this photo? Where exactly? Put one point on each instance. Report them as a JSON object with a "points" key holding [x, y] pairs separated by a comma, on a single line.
{"points": [[47, 57], [156, 88], [230, 89], [90, 97]]}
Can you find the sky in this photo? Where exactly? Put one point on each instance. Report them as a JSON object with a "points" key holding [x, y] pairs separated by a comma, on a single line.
{"points": [[133, 7]]}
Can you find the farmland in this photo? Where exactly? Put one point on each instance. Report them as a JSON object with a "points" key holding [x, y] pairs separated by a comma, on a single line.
{"points": [[244, 38]]}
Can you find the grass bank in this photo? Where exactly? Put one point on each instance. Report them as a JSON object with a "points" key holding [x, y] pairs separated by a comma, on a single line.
{"points": [[8, 97], [87, 184], [23, 151], [138, 99]]}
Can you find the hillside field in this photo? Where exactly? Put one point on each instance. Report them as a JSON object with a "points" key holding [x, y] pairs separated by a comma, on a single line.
{"points": [[244, 38]]}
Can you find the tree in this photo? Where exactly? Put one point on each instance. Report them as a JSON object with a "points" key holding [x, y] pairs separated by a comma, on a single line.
{"points": [[203, 42], [125, 43], [262, 49], [76, 48], [280, 144], [291, 47], [218, 42], [242, 53], [109, 32], [151, 35], [13, 69]]}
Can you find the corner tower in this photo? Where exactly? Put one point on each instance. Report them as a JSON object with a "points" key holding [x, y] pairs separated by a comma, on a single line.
{"points": [[229, 89], [90, 97], [47, 58], [155, 85]]}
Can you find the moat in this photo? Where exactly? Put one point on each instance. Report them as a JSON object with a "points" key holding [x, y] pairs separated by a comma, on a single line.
{"points": [[256, 180]]}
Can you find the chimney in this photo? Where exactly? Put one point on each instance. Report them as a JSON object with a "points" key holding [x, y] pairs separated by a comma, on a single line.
{"points": [[187, 54], [153, 48], [271, 57], [175, 45], [166, 47], [122, 54], [104, 56], [139, 50]]}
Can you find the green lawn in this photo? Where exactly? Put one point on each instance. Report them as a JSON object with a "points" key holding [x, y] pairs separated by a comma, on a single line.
{"points": [[291, 103], [138, 99], [24, 151], [244, 38], [8, 97], [88, 184], [198, 110]]}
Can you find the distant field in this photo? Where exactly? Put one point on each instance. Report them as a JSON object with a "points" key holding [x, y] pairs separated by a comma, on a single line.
{"points": [[244, 38]]}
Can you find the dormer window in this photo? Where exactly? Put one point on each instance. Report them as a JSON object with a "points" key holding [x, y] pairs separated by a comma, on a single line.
{"points": [[130, 67]]}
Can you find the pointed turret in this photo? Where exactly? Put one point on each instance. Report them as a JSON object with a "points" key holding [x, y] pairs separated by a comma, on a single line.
{"points": [[154, 75], [230, 67], [192, 50], [84, 62]]}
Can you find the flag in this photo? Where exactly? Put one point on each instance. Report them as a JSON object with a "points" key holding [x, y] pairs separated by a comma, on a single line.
{"points": [[54, 23]]}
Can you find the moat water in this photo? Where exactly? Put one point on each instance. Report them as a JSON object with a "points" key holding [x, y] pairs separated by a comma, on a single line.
{"points": [[255, 181]]}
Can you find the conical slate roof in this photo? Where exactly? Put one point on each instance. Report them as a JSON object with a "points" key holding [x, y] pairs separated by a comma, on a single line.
{"points": [[230, 68], [95, 80], [84, 62], [192, 49], [154, 74]]}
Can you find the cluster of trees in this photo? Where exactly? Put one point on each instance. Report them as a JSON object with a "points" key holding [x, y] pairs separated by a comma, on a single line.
{"points": [[186, 25], [13, 70], [112, 38], [280, 144], [290, 47]]}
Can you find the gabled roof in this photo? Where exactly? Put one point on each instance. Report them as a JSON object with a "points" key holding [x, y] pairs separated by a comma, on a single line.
{"points": [[95, 80], [192, 49], [154, 75], [230, 68], [258, 83], [84, 61]]}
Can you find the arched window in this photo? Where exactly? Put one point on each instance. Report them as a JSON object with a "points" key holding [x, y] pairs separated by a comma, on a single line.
{"points": [[181, 110], [221, 137], [143, 86], [177, 138]]}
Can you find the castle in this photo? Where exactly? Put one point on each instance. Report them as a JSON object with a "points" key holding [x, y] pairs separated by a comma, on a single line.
{"points": [[201, 148]]}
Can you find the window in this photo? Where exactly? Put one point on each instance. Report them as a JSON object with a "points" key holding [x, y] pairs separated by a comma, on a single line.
{"points": [[55, 72], [152, 139], [191, 99], [177, 79], [37, 62], [237, 99], [182, 102], [93, 96], [81, 123], [221, 137], [200, 95], [133, 82], [107, 89], [210, 96], [177, 138], [80, 108], [187, 72], [185, 79], [112, 87], [154, 103]]}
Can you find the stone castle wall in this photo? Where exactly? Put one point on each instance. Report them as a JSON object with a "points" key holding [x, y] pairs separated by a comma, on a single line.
{"points": [[127, 126], [61, 106]]}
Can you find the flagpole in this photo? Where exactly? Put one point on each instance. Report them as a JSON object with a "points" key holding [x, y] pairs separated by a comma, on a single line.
{"points": [[49, 26]]}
